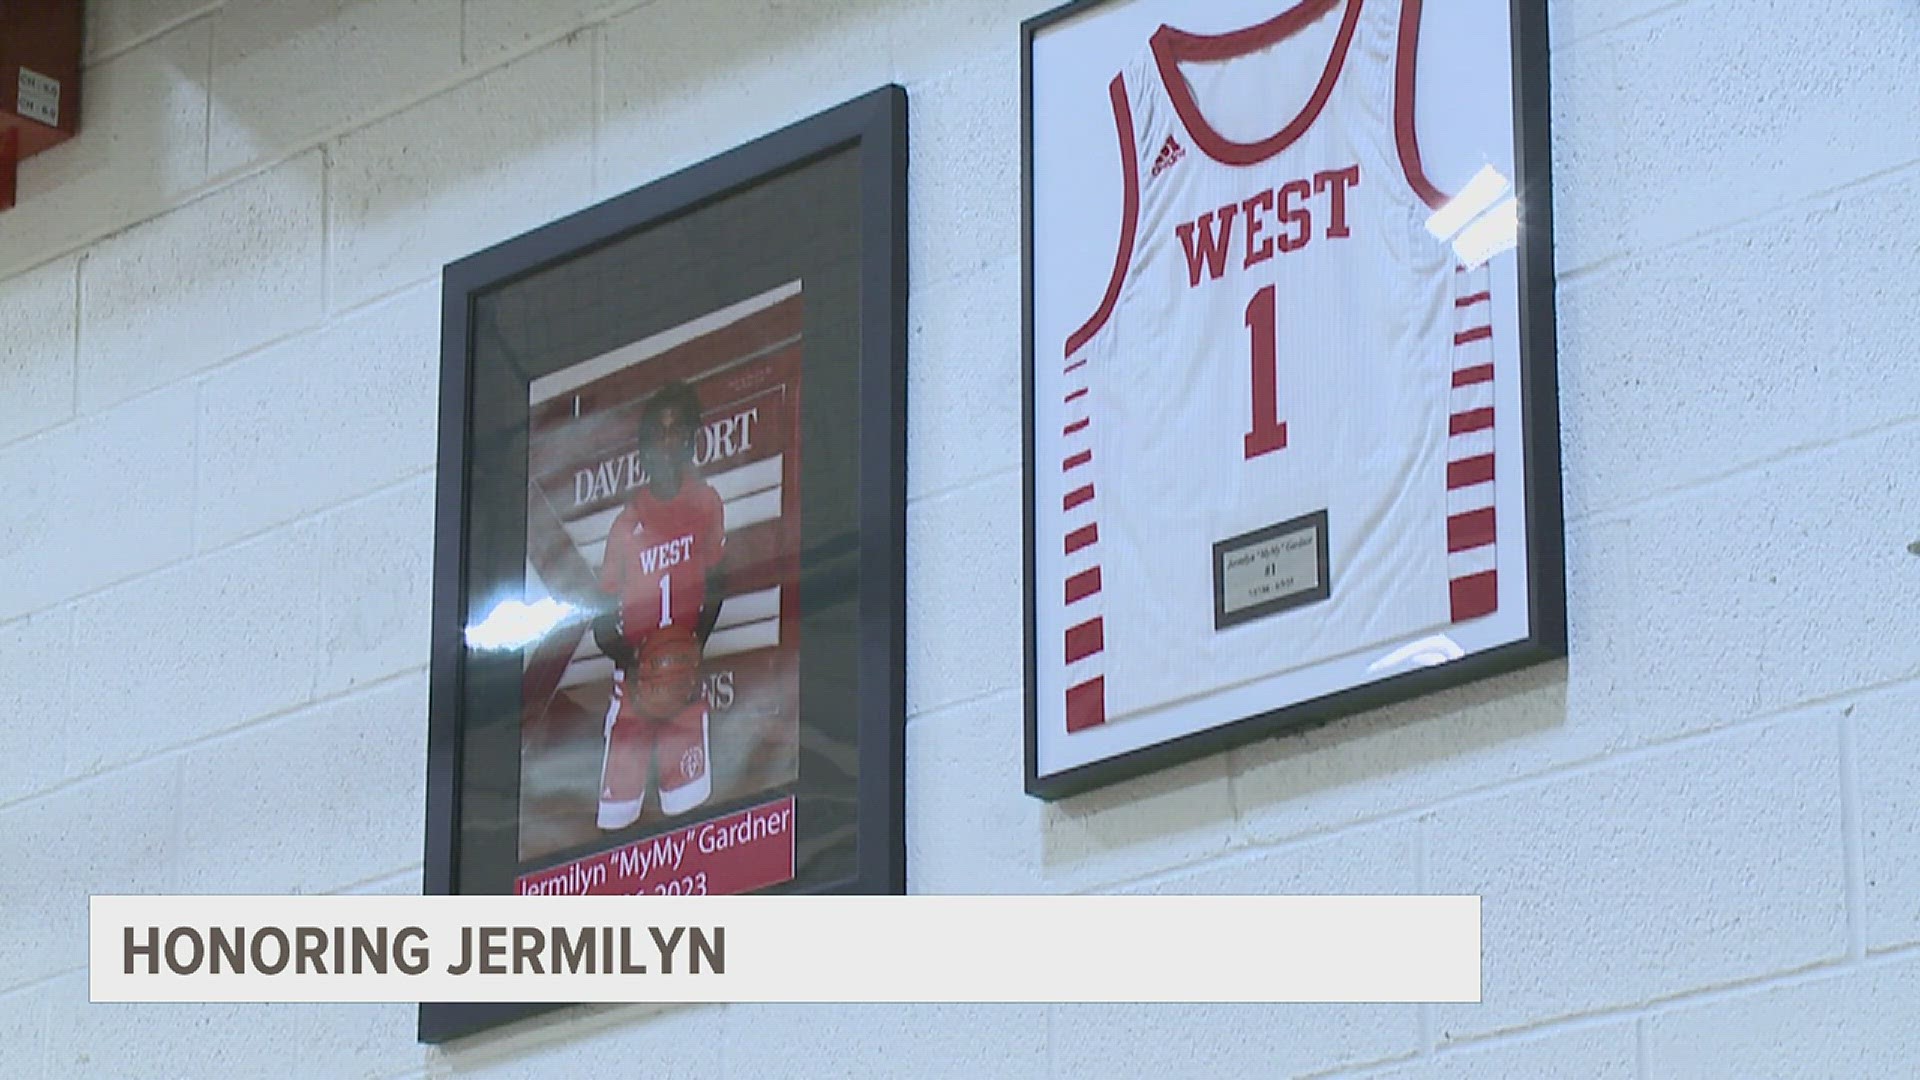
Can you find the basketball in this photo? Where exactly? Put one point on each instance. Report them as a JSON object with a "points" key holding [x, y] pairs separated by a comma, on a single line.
{"points": [[668, 671]]}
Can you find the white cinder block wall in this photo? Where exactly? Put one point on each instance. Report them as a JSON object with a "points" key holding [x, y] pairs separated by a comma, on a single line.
{"points": [[1698, 841]]}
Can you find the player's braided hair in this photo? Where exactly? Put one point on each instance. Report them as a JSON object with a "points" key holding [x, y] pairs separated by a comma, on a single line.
{"points": [[676, 399]]}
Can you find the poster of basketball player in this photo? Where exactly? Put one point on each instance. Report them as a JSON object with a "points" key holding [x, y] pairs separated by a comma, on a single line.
{"points": [[664, 502], [1292, 445], [669, 630]]}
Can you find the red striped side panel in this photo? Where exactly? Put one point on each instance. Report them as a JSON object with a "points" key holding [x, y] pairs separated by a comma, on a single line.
{"points": [[1475, 596], [1083, 584], [1087, 705], [1085, 640]]}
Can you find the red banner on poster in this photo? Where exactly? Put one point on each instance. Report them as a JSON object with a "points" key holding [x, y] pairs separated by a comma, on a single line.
{"points": [[743, 851]]}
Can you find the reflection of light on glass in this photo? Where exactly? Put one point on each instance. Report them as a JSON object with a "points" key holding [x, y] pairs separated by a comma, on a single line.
{"points": [[1479, 221], [1498, 231], [1427, 652], [1475, 199], [514, 624]]}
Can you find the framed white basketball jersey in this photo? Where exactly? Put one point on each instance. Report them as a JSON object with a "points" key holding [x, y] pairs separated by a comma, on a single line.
{"points": [[1280, 453]]}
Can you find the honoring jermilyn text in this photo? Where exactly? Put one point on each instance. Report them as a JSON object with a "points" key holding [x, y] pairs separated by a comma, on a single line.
{"points": [[483, 950]]}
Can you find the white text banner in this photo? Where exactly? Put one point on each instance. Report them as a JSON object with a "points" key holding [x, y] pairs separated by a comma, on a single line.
{"points": [[786, 948]]}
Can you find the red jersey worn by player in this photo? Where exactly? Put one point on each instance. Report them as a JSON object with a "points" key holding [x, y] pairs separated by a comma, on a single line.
{"points": [[658, 554]]}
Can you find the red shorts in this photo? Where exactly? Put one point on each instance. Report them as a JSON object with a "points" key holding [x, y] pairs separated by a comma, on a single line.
{"points": [[675, 749]]}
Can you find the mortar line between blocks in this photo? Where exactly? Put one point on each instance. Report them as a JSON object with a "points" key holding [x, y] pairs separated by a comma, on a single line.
{"points": [[411, 869], [358, 308], [597, 39], [1354, 1069], [206, 90], [266, 162], [1512, 1037], [1229, 759], [1423, 884], [1631, 20], [1616, 511], [1554, 1026], [1853, 840], [1235, 850], [310, 515], [88, 63], [961, 486], [79, 320], [1591, 763], [272, 159], [40, 980], [935, 711], [1576, 274], [193, 481], [1052, 1053], [173, 750], [326, 233], [1671, 1002]]}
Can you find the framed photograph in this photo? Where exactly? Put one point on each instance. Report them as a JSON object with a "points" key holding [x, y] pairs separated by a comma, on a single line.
{"points": [[1292, 444], [669, 597]]}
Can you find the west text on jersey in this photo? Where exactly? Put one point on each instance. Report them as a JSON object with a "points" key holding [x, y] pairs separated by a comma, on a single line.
{"points": [[664, 556], [1289, 208]]}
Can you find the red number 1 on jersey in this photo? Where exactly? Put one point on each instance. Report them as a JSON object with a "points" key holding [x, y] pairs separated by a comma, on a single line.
{"points": [[1269, 433]]}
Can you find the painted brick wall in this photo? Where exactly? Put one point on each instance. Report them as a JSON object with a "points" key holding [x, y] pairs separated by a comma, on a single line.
{"points": [[1699, 841]]}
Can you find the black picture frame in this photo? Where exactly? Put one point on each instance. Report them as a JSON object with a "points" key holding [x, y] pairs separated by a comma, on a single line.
{"points": [[868, 567], [1546, 638]]}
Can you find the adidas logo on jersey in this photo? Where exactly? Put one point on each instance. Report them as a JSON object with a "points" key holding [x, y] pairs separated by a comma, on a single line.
{"points": [[1170, 155]]}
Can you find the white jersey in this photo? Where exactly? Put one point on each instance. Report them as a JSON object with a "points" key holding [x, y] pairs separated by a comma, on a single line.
{"points": [[1279, 444]]}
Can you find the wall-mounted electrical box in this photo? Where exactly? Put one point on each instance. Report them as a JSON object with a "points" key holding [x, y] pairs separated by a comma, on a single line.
{"points": [[39, 81]]}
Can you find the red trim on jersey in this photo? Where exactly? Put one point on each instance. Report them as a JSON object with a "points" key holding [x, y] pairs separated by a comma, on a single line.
{"points": [[1082, 537], [1469, 471], [1083, 584], [1475, 595], [1129, 216], [1076, 461], [1467, 376], [1079, 496], [1468, 337], [1076, 366], [1076, 395], [1404, 134], [1470, 530], [1087, 705], [1172, 47], [1471, 420], [1085, 640], [1469, 301], [1077, 425]]}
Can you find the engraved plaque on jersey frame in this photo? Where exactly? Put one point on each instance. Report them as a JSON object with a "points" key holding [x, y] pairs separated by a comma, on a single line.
{"points": [[1271, 570], [668, 626], [1291, 423]]}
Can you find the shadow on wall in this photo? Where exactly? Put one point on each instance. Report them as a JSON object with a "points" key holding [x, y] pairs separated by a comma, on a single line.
{"points": [[237, 84], [141, 143], [1360, 757], [1413, 736], [580, 1028]]}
